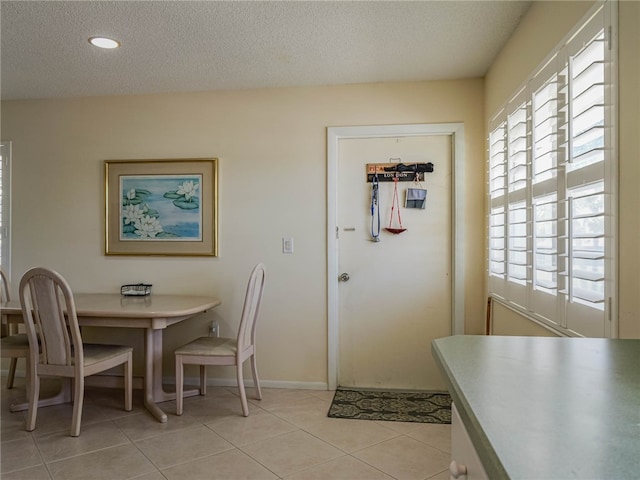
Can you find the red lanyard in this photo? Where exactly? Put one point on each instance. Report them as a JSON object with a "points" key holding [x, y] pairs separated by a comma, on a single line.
{"points": [[395, 205]]}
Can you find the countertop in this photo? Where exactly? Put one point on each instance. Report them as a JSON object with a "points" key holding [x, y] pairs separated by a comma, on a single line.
{"points": [[545, 407]]}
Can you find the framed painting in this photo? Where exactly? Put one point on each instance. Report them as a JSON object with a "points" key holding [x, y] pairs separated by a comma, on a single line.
{"points": [[161, 207]]}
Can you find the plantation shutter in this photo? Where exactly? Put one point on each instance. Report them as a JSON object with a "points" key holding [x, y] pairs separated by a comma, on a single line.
{"points": [[548, 153], [551, 220], [497, 214], [518, 231], [585, 180]]}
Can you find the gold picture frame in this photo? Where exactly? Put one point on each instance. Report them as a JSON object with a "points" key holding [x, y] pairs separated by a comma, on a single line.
{"points": [[161, 207]]}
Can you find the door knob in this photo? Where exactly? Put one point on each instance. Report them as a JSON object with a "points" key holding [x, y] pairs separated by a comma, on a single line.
{"points": [[344, 277]]}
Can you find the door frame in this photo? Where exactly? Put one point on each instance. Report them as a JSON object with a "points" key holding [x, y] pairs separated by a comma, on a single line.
{"points": [[334, 135]]}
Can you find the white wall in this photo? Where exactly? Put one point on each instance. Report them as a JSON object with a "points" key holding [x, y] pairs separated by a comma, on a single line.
{"points": [[271, 145], [545, 24]]}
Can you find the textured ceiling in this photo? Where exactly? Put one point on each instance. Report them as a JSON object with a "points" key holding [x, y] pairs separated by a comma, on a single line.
{"points": [[173, 46]]}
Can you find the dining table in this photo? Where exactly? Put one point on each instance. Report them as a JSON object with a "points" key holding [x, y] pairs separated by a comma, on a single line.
{"points": [[153, 313]]}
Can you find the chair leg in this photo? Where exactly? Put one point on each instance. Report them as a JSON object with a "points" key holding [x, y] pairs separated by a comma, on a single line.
{"points": [[12, 372], [78, 401], [128, 384], [33, 392], [243, 394], [256, 382], [203, 379], [179, 380]]}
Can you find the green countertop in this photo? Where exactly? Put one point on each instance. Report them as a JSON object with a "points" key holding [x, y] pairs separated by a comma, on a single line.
{"points": [[545, 407]]}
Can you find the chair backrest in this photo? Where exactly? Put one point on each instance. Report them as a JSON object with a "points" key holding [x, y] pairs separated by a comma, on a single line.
{"points": [[251, 308], [49, 314], [4, 287]]}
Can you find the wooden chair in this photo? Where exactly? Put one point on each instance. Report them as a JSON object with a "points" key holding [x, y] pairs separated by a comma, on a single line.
{"points": [[226, 351], [15, 345], [55, 342]]}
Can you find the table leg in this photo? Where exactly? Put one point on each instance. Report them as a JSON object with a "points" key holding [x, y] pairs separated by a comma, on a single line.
{"points": [[159, 393], [153, 372]]}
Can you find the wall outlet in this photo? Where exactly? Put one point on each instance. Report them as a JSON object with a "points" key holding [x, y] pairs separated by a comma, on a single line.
{"points": [[287, 244], [214, 329]]}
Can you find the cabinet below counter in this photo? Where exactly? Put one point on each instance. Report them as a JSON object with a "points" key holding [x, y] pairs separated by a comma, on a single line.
{"points": [[546, 407]]}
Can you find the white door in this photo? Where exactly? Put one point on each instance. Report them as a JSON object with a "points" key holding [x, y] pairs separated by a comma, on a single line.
{"points": [[398, 296]]}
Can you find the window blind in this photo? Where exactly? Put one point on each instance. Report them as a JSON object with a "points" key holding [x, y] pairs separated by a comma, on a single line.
{"points": [[550, 245]]}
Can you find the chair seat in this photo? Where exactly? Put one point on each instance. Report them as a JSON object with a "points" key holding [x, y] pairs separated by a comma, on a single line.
{"points": [[95, 353], [15, 341], [210, 346], [14, 346]]}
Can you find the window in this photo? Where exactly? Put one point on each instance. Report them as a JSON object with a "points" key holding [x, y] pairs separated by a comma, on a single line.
{"points": [[5, 165], [550, 173]]}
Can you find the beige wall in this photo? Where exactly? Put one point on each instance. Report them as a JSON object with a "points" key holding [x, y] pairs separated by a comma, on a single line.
{"points": [[544, 26], [541, 29], [629, 149], [272, 150], [505, 321]]}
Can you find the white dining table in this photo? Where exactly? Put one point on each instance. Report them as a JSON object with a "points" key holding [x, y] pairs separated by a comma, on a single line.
{"points": [[153, 313]]}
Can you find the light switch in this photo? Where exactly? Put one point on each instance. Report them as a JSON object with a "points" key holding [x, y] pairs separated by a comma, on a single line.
{"points": [[287, 244]]}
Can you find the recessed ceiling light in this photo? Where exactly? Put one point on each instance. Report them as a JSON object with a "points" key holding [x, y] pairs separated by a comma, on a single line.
{"points": [[104, 42]]}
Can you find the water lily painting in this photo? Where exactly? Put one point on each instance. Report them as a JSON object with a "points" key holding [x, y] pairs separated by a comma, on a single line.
{"points": [[161, 207]]}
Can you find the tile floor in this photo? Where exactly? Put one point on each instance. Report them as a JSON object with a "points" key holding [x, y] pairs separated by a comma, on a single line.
{"points": [[287, 436]]}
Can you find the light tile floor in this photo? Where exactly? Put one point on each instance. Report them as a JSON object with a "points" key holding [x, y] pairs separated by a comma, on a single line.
{"points": [[287, 436]]}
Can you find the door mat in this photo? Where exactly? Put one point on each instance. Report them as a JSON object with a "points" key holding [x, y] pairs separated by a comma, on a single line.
{"points": [[420, 407]]}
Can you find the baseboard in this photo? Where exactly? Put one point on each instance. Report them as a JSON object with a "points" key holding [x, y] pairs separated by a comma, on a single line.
{"points": [[109, 381], [116, 381], [231, 382], [112, 381]]}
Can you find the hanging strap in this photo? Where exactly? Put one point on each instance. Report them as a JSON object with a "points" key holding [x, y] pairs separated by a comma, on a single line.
{"points": [[375, 208], [395, 205]]}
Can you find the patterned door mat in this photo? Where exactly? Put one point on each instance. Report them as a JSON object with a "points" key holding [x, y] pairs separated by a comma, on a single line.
{"points": [[421, 407]]}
